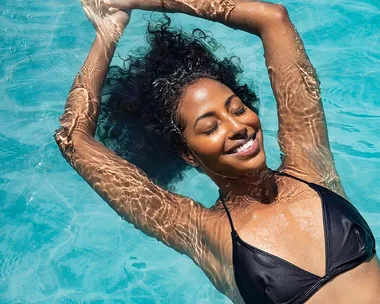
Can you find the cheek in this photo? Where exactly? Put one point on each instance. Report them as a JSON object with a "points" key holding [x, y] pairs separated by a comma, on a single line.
{"points": [[209, 147]]}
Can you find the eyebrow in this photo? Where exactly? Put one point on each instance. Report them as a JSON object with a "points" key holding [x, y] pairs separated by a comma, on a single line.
{"points": [[212, 113]]}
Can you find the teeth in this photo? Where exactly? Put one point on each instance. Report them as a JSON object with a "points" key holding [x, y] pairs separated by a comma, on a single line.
{"points": [[244, 147]]}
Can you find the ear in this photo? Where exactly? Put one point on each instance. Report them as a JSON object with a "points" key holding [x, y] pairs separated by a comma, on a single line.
{"points": [[189, 159]]}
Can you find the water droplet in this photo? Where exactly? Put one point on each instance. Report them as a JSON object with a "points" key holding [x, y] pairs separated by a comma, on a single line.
{"points": [[30, 200]]}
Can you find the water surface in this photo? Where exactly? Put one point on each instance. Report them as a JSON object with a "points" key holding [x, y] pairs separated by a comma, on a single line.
{"points": [[59, 242]]}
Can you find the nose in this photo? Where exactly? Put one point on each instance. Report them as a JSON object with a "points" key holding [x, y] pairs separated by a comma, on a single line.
{"points": [[237, 130]]}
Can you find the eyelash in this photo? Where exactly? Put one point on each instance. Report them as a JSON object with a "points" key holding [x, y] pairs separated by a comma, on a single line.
{"points": [[212, 130], [240, 112], [215, 127]]}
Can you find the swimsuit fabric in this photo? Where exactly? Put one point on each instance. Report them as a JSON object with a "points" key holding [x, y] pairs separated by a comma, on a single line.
{"points": [[263, 278]]}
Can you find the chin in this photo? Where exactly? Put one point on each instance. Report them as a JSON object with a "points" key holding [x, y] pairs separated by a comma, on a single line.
{"points": [[242, 168], [255, 164]]}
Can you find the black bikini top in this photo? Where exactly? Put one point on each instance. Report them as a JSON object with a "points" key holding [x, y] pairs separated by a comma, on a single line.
{"points": [[263, 278]]}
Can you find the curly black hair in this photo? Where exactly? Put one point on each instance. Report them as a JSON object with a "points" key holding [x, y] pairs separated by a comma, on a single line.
{"points": [[139, 118]]}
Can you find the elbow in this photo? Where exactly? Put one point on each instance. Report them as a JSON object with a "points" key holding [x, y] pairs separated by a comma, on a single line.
{"points": [[280, 12], [274, 16], [65, 143], [63, 136], [279, 15]]}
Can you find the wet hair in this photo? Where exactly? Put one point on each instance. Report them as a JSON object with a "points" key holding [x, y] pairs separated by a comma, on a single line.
{"points": [[139, 111]]}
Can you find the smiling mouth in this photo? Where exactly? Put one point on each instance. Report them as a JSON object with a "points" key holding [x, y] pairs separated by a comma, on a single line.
{"points": [[244, 147]]}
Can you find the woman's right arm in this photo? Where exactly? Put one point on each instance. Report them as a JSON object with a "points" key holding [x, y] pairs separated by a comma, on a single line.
{"points": [[173, 219]]}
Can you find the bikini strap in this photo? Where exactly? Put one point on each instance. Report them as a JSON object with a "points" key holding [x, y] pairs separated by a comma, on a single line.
{"points": [[228, 213], [291, 176]]}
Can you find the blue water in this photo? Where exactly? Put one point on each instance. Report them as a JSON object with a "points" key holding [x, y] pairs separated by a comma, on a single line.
{"points": [[60, 243]]}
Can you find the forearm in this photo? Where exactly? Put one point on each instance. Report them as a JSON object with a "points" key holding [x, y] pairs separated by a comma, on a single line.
{"points": [[96, 65], [251, 16], [270, 22], [83, 103]]}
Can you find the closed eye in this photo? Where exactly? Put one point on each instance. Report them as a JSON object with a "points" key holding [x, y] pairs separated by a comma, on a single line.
{"points": [[212, 130], [240, 112], [215, 127]]}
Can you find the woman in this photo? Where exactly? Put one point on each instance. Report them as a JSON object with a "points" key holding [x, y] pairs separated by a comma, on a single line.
{"points": [[286, 236]]}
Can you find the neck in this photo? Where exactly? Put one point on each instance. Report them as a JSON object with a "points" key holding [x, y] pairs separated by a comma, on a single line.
{"points": [[260, 186]]}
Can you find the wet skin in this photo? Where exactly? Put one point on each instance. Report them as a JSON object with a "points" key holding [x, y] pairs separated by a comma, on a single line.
{"points": [[269, 211]]}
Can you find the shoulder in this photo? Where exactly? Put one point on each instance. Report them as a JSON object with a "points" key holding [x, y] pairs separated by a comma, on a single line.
{"points": [[325, 178]]}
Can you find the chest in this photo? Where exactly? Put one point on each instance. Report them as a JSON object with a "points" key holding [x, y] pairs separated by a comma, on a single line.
{"points": [[291, 229]]}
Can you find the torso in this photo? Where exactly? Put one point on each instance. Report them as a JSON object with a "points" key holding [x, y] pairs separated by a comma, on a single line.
{"points": [[291, 228]]}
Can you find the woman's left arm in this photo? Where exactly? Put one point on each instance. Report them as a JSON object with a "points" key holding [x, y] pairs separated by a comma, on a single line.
{"points": [[302, 134]]}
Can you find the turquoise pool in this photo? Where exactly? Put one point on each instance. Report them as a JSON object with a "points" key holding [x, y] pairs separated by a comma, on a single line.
{"points": [[59, 242]]}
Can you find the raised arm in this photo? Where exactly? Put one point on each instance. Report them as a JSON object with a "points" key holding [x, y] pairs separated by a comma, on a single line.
{"points": [[173, 219], [302, 133]]}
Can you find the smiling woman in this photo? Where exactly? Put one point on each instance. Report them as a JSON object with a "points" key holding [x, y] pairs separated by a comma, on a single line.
{"points": [[286, 236]]}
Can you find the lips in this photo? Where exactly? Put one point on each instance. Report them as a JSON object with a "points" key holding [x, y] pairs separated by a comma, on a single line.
{"points": [[243, 145]]}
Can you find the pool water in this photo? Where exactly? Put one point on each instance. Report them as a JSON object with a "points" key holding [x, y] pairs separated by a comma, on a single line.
{"points": [[59, 242]]}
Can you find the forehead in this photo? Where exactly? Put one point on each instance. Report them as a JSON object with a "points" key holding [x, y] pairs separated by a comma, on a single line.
{"points": [[202, 96]]}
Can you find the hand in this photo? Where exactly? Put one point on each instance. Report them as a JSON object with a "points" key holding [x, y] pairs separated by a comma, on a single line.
{"points": [[109, 22], [210, 9]]}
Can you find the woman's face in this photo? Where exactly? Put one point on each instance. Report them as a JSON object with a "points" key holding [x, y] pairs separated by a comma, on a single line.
{"points": [[222, 134]]}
